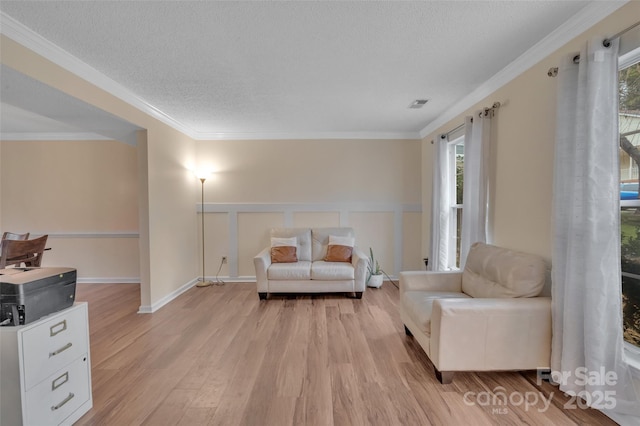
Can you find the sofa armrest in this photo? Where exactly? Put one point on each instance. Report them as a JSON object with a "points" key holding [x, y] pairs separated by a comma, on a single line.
{"points": [[491, 334], [430, 281], [359, 260], [261, 262]]}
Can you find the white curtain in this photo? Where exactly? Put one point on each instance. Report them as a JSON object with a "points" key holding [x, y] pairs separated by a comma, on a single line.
{"points": [[475, 194], [439, 207], [586, 290]]}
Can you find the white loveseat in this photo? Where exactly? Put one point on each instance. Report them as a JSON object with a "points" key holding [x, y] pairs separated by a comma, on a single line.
{"points": [[486, 318], [311, 273]]}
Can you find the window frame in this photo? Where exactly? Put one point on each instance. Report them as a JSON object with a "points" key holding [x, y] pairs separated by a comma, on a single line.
{"points": [[631, 352], [454, 208]]}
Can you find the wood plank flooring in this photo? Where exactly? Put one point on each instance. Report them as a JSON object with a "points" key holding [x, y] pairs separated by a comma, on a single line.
{"points": [[219, 356]]}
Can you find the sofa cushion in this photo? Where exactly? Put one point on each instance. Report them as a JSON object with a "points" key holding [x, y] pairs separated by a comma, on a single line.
{"points": [[303, 240], [327, 271], [494, 272], [300, 270], [419, 304], [320, 239]]}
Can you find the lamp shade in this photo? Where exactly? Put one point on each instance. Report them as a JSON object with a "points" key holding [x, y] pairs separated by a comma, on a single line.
{"points": [[202, 173]]}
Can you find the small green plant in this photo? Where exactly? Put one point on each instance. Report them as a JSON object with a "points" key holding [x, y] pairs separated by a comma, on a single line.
{"points": [[373, 267]]}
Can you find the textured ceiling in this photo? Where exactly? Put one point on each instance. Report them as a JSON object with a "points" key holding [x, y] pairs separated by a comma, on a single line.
{"points": [[311, 68]]}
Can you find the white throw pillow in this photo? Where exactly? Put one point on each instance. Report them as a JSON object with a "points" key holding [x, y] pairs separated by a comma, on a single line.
{"points": [[335, 240], [283, 242]]}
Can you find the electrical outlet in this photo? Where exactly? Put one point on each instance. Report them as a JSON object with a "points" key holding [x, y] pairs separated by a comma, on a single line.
{"points": [[224, 259]]}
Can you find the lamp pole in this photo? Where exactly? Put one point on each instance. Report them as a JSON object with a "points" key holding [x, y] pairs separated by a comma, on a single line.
{"points": [[203, 282]]}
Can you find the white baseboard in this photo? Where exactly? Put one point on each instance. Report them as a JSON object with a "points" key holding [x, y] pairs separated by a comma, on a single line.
{"points": [[244, 279], [118, 280], [149, 309]]}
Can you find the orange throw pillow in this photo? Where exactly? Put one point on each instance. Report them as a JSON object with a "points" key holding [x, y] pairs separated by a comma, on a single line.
{"points": [[338, 253], [283, 254]]}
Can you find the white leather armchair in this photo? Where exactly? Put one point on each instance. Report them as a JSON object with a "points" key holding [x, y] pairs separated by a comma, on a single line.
{"points": [[486, 318]]}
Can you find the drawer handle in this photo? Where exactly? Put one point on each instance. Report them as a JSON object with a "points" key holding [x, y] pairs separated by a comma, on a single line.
{"points": [[64, 401], [62, 349], [53, 331], [60, 381]]}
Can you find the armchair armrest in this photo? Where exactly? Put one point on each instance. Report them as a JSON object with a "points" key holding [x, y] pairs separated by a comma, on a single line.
{"points": [[491, 334], [359, 260], [430, 281], [261, 262]]}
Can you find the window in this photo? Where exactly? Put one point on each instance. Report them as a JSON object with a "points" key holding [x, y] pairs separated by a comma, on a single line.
{"points": [[629, 122], [455, 156]]}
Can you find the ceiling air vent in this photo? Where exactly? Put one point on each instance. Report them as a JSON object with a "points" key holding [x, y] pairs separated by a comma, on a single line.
{"points": [[418, 103]]}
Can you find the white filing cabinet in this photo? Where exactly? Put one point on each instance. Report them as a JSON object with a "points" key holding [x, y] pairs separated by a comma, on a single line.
{"points": [[45, 370]]}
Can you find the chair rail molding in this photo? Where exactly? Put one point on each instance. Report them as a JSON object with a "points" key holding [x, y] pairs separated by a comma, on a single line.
{"points": [[289, 209]]}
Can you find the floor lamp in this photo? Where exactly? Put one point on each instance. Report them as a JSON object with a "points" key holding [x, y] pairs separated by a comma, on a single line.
{"points": [[203, 282]]}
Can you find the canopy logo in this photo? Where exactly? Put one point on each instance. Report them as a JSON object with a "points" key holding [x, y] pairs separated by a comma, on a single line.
{"points": [[499, 400]]}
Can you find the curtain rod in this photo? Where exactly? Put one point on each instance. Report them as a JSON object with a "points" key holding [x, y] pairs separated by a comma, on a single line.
{"points": [[484, 111], [455, 129], [606, 43]]}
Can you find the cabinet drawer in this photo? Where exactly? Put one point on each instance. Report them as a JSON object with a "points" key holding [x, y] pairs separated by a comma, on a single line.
{"points": [[54, 344], [59, 395]]}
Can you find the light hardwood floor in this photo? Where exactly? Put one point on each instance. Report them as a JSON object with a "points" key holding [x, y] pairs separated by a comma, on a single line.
{"points": [[219, 356]]}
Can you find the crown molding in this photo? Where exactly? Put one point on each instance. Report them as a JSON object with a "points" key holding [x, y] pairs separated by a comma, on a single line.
{"points": [[305, 135], [307, 207], [94, 234], [54, 53], [32, 136], [66, 136], [579, 23]]}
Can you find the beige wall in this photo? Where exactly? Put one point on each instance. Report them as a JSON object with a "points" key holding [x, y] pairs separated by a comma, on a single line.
{"points": [[1, 226], [83, 194], [522, 144], [66, 186], [91, 213], [172, 190], [312, 171], [370, 185]]}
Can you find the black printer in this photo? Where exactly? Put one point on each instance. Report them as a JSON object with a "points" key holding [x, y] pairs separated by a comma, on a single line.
{"points": [[28, 294]]}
